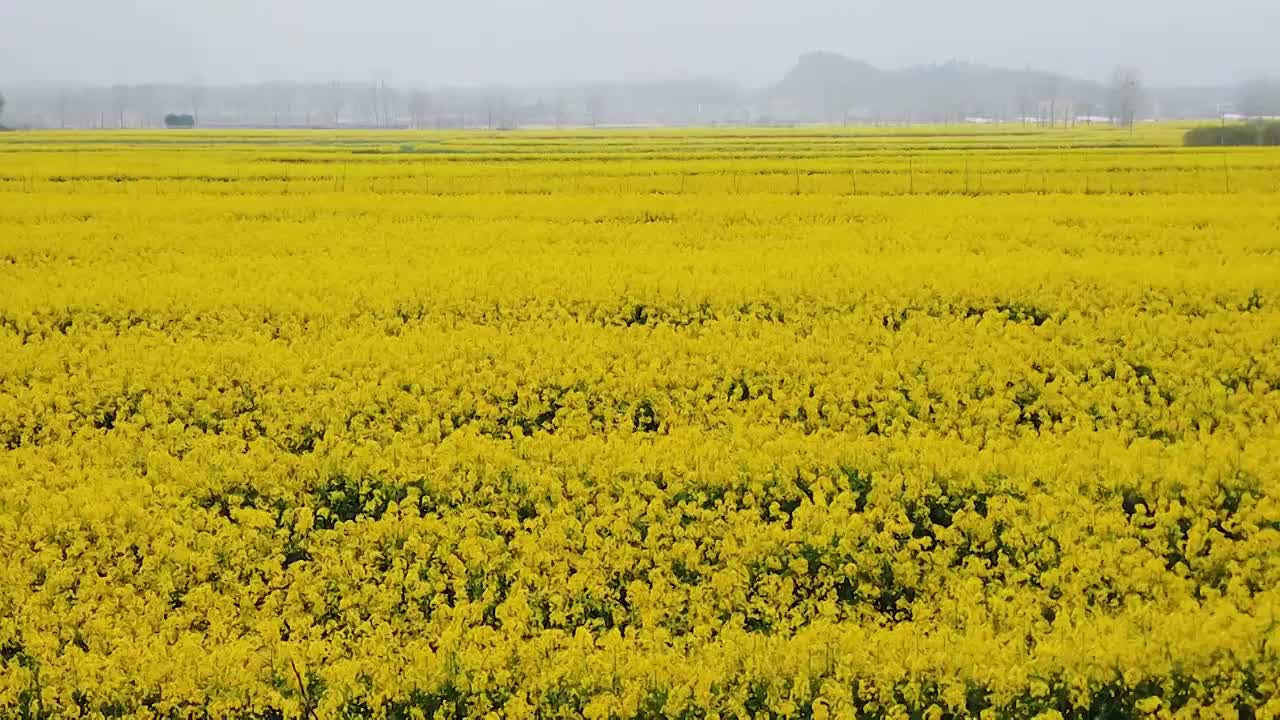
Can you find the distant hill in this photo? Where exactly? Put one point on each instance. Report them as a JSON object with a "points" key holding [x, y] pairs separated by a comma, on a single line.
{"points": [[833, 87]]}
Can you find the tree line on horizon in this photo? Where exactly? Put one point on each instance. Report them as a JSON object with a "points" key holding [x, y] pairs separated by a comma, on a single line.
{"points": [[821, 88]]}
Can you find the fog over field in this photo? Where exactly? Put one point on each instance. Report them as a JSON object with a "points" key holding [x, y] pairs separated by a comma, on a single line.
{"points": [[748, 42], [507, 64]]}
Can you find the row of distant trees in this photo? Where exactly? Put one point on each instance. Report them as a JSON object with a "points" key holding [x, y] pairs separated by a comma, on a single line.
{"points": [[313, 105], [385, 107], [1126, 95], [1123, 104], [1042, 99]]}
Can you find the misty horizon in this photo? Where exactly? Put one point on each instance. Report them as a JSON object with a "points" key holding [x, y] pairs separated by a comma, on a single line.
{"points": [[572, 42]]}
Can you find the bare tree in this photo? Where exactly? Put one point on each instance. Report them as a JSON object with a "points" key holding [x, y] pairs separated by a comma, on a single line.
{"points": [[419, 108], [1089, 111], [63, 102], [146, 102], [1126, 95], [120, 102], [280, 98], [337, 100], [595, 106], [837, 101], [1023, 101], [498, 110], [195, 95], [559, 109], [388, 97]]}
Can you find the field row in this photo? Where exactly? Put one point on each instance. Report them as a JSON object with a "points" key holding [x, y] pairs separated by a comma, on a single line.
{"points": [[1162, 378], [670, 576]]}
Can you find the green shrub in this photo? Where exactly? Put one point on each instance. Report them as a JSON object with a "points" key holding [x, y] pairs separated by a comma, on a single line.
{"points": [[179, 121], [1255, 133]]}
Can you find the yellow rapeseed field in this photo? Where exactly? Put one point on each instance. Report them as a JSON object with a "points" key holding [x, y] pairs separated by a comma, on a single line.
{"points": [[810, 423]]}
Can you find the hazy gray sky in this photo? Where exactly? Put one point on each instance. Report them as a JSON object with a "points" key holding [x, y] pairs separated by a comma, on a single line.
{"points": [[433, 42]]}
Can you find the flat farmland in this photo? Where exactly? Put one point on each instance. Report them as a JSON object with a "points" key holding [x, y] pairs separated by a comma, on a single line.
{"points": [[878, 422]]}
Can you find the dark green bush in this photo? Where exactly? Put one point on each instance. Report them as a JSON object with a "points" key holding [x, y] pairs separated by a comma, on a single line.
{"points": [[179, 121], [1254, 133]]}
